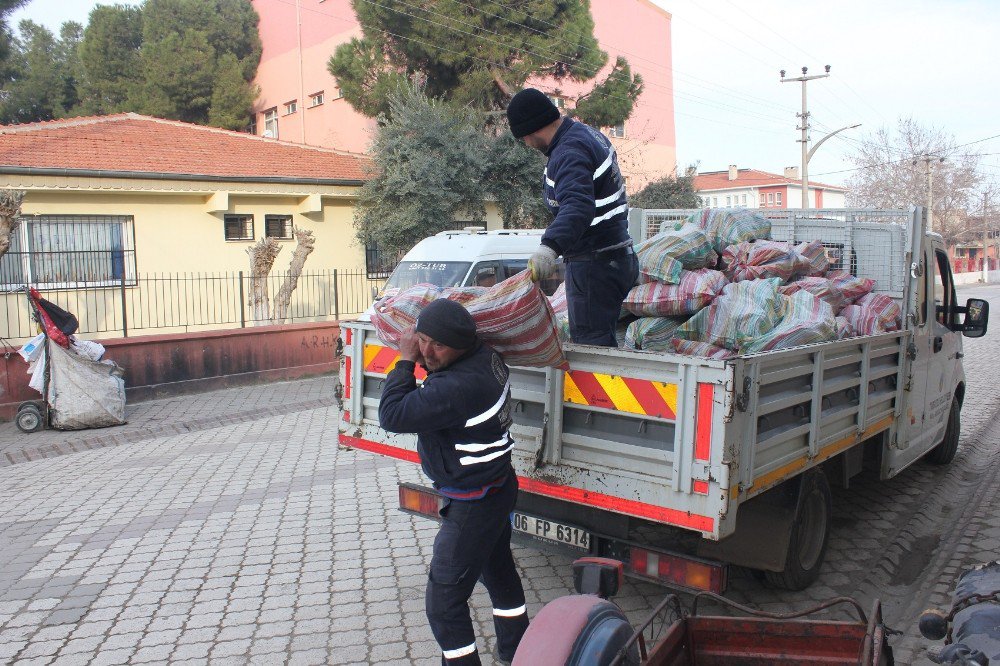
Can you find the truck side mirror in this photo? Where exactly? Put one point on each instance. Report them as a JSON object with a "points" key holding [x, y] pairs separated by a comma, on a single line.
{"points": [[977, 315]]}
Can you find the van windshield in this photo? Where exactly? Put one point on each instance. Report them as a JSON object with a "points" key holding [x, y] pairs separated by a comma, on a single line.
{"points": [[441, 273]]}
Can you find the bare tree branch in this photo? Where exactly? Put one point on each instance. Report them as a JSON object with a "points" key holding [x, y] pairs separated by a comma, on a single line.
{"points": [[10, 211]]}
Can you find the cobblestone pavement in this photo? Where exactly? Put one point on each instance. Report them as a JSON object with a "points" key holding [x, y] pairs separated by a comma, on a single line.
{"points": [[228, 527]]}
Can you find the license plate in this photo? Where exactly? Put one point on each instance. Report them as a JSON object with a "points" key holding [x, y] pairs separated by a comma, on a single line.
{"points": [[549, 530]]}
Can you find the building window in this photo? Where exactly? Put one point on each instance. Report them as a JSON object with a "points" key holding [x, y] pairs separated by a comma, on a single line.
{"points": [[277, 226], [744, 199], [271, 123], [715, 202], [291, 107], [618, 131], [728, 202], [239, 227], [377, 263], [337, 93], [777, 198], [316, 99], [770, 198], [252, 125], [560, 102], [68, 251]]}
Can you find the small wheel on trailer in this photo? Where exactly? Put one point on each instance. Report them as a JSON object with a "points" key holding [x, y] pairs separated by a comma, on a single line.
{"points": [[29, 418], [30, 403], [810, 533], [945, 451]]}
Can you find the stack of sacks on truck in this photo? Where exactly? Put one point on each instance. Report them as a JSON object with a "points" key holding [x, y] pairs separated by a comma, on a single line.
{"points": [[765, 295], [514, 317]]}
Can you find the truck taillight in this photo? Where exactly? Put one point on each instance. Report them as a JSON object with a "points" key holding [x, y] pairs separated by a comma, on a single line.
{"points": [[423, 501], [677, 570]]}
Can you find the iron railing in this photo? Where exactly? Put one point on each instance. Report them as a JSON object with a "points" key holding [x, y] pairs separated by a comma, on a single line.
{"points": [[179, 302]]}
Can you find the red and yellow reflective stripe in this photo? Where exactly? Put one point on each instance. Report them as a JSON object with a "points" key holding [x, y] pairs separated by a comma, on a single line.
{"points": [[623, 394], [382, 359], [703, 432]]}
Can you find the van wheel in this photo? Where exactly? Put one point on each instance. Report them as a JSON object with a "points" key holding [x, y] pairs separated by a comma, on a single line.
{"points": [[944, 453], [810, 534]]}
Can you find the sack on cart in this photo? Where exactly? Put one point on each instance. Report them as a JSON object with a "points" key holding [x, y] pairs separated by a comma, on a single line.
{"points": [[84, 393]]}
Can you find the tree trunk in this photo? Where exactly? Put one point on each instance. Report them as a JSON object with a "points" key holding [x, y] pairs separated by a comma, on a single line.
{"points": [[10, 211], [304, 246], [262, 255]]}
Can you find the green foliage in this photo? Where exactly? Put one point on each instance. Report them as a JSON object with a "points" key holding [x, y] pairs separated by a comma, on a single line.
{"points": [[434, 164], [43, 85], [610, 101], [477, 58], [110, 59], [7, 39], [190, 60], [232, 97], [668, 192]]}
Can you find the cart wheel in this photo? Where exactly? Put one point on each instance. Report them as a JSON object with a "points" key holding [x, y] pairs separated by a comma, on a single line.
{"points": [[29, 419], [24, 405]]}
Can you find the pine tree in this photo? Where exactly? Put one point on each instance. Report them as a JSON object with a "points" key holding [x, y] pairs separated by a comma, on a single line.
{"points": [[232, 97], [478, 57], [109, 59], [668, 192], [43, 86]]}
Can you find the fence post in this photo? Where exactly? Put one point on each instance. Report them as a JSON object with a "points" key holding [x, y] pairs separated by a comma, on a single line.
{"points": [[336, 297], [243, 304], [124, 308]]}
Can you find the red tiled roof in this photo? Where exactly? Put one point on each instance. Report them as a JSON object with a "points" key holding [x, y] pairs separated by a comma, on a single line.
{"points": [[129, 142], [719, 180]]}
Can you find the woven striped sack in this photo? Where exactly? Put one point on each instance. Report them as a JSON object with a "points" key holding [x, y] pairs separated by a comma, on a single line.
{"points": [[815, 256], [807, 319], [652, 333], [763, 259], [743, 312], [851, 286], [515, 318], [662, 257], [394, 315], [695, 290], [844, 328], [873, 314], [700, 349], [560, 307], [730, 226], [818, 286]]}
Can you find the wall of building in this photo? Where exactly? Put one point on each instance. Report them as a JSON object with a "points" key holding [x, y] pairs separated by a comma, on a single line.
{"points": [[157, 366], [300, 36]]}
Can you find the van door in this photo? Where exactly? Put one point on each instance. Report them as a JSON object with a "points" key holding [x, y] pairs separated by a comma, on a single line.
{"points": [[944, 345]]}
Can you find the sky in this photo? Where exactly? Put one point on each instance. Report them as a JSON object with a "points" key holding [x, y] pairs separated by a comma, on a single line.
{"points": [[930, 60]]}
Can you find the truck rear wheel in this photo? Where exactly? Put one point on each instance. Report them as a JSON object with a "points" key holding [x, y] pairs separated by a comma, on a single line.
{"points": [[944, 453], [810, 533]]}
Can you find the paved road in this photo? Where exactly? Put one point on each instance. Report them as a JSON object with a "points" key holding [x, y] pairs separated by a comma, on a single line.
{"points": [[229, 528]]}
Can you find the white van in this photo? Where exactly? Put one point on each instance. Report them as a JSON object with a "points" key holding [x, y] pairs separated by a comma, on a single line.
{"points": [[471, 257]]}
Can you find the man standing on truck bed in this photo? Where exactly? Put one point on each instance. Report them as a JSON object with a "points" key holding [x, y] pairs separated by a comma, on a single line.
{"points": [[461, 415], [584, 190]]}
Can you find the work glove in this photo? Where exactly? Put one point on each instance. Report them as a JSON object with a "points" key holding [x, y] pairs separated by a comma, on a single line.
{"points": [[542, 263]]}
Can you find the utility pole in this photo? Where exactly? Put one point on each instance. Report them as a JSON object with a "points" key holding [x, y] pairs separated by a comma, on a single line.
{"points": [[986, 244], [928, 161], [805, 127]]}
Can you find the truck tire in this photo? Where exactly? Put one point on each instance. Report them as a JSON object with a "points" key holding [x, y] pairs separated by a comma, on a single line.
{"points": [[810, 534], [944, 453]]}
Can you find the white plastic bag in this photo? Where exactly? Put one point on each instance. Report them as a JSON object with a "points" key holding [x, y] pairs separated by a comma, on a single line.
{"points": [[32, 348]]}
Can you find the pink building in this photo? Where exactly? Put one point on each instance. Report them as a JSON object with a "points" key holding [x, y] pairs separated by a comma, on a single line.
{"points": [[751, 188], [300, 101]]}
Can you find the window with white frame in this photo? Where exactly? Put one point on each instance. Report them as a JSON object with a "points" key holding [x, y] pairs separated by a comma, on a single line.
{"points": [[278, 226], [252, 125], [744, 197], [69, 251], [271, 123], [777, 198], [618, 131], [316, 99], [560, 102], [239, 227], [729, 202], [770, 198], [291, 107]]}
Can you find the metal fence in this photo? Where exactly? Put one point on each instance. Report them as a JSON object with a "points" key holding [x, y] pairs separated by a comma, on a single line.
{"points": [[180, 302]]}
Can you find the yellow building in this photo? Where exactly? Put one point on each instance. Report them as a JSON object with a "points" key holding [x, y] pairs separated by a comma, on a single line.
{"points": [[136, 223]]}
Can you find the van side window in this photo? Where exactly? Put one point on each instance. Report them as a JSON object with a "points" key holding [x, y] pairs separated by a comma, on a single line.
{"points": [[944, 291], [484, 274]]}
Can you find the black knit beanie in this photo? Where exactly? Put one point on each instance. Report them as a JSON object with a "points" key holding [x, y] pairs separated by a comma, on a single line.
{"points": [[529, 111], [447, 322]]}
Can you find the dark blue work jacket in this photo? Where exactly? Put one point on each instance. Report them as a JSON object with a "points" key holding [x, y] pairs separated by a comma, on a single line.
{"points": [[585, 191], [461, 416]]}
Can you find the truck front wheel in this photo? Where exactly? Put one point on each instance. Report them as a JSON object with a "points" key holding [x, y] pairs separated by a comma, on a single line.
{"points": [[944, 453], [810, 533]]}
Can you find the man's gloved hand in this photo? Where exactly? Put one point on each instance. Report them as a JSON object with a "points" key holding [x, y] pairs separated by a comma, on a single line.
{"points": [[542, 263]]}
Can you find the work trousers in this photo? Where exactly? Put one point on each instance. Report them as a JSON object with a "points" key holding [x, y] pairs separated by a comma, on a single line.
{"points": [[474, 544], [595, 289]]}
